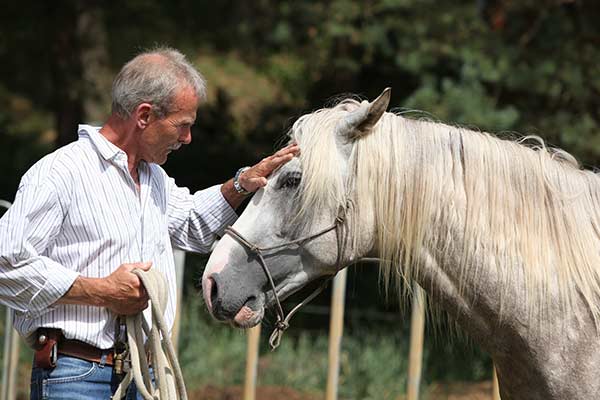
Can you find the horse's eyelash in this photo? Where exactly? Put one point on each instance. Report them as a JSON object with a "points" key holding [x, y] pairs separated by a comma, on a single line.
{"points": [[290, 179]]}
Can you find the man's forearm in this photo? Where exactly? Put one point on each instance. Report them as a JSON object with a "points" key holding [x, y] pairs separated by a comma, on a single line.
{"points": [[86, 291], [121, 292]]}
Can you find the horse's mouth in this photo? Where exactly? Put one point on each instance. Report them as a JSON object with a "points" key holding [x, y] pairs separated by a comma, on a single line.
{"points": [[253, 311], [250, 314]]}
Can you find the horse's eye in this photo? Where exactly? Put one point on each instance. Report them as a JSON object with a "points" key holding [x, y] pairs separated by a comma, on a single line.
{"points": [[291, 181]]}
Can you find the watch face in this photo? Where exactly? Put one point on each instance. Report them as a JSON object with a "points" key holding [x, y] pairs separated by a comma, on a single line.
{"points": [[236, 183]]}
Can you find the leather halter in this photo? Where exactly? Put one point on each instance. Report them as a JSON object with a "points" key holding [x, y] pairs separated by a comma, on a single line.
{"points": [[283, 321]]}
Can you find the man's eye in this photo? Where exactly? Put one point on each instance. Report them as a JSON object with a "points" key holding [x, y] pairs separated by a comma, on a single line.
{"points": [[290, 181]]}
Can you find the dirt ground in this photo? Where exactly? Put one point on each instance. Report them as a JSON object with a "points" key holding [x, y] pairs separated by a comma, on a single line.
{"points": [[452, 391], [460, 391]]}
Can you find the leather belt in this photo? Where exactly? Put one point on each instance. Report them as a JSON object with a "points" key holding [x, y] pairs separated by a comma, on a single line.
{"points": [[51, 342]]}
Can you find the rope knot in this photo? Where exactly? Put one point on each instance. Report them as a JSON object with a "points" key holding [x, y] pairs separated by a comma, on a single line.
{"points": [[282, 325]]}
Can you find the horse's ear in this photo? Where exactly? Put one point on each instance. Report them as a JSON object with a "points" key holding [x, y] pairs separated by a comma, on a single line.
{"points": [[360, 122]]}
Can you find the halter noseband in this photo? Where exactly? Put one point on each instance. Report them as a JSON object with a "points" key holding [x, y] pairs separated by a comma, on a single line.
{"points": [[283, 321]]}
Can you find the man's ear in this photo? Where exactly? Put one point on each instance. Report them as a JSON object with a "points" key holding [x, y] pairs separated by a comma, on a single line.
{"points": [[142, 115]]}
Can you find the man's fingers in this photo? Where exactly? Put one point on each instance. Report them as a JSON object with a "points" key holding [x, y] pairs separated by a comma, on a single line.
{"points": [[289, 149], [276, 161], [256, 177], [261, 182], [293, 149], [145, 266]]}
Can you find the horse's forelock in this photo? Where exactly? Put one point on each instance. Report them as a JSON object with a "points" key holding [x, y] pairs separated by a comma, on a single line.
{"points": [[322, 186]]}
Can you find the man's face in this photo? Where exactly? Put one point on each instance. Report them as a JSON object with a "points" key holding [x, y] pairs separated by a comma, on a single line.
{"points": [[163, 135]]}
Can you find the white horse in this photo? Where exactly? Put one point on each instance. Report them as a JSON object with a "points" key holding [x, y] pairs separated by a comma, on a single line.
{"points": [[504, 237]]}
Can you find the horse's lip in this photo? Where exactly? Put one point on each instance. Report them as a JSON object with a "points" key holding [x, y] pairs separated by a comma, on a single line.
{"points": [[251, 313], [247, 317]]}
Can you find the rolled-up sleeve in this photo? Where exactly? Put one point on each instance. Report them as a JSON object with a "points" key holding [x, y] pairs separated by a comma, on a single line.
{"points": [[30, 282], [196, 220]]}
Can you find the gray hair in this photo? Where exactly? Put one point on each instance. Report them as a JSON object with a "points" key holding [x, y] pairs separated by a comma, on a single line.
{"points": [[154, 77]]}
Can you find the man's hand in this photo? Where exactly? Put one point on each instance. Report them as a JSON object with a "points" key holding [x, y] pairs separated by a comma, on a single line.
{"points": [[121, 292], [256, 177], [126, 294]]}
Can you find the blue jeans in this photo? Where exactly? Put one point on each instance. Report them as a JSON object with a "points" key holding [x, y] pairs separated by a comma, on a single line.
{"points": [[76, 379]]}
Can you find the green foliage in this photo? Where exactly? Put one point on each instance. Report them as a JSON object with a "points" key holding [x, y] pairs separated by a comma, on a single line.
{"points": [[210, 354], [24, 132], [373, 359], [373, 366], [463, 103]]}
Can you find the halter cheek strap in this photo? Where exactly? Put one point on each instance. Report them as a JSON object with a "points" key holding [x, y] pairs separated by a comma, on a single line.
{"points": [[283, 321]]}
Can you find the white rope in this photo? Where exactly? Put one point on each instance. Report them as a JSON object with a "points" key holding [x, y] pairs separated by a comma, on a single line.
{"points": [[168, 376]]}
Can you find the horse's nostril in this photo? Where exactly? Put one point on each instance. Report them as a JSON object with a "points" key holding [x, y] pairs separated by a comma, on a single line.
{"points": [[214, 291]]}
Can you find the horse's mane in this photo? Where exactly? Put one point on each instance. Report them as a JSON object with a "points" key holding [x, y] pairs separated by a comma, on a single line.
{"points": [[526, 207]]}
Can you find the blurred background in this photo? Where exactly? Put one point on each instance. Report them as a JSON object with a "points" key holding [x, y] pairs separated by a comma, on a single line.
{"points": [[508, 67]]}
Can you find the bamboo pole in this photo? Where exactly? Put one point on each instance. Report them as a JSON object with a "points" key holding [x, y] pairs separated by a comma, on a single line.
{"points": [[495, 385], [251, 363], [336, 330], [415, 356]]}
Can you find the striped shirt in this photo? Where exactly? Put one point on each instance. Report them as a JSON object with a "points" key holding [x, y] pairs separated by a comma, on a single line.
{"points": [[77, 212]]}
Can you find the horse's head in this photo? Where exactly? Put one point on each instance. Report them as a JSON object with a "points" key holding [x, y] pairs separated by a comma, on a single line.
{"points": [[302, 200]]}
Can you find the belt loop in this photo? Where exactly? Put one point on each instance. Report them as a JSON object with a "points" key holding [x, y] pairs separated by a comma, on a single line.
{"points": [[103, 359]]}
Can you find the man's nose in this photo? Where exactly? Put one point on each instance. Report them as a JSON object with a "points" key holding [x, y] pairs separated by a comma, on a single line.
{"points": [[186, 137]]}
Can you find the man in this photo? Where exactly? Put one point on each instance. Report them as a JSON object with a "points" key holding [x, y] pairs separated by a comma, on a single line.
{"points": [[88, 214]]}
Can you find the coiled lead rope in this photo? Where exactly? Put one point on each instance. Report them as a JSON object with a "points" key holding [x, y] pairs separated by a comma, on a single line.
{"points": [[169, 379]]}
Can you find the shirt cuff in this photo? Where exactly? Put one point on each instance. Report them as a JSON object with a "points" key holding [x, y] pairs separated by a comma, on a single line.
{"points": [[220, 211], [58, 281]]}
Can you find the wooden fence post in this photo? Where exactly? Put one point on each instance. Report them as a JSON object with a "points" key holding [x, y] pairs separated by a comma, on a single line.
{"points": [[179, 256], [336, 329], [252, 363], [415, 356], [11, 359], [495, 385], [11, 350]]}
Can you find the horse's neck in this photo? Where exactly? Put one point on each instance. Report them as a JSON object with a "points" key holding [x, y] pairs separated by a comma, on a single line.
{"points": [[489, 299], [531, 358], [474, 300]]}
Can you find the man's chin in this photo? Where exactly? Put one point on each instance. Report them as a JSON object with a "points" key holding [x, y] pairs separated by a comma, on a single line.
{"points": [[161, 160]]}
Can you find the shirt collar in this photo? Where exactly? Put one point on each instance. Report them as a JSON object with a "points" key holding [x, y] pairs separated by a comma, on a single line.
{"points": [[106, 149]]}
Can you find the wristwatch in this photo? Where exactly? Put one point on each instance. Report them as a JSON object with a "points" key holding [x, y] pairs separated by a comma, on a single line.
{"points": [[236, 181]]}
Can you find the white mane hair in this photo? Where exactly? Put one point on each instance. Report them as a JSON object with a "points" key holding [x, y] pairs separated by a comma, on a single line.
{"points": [[526, 210]]}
